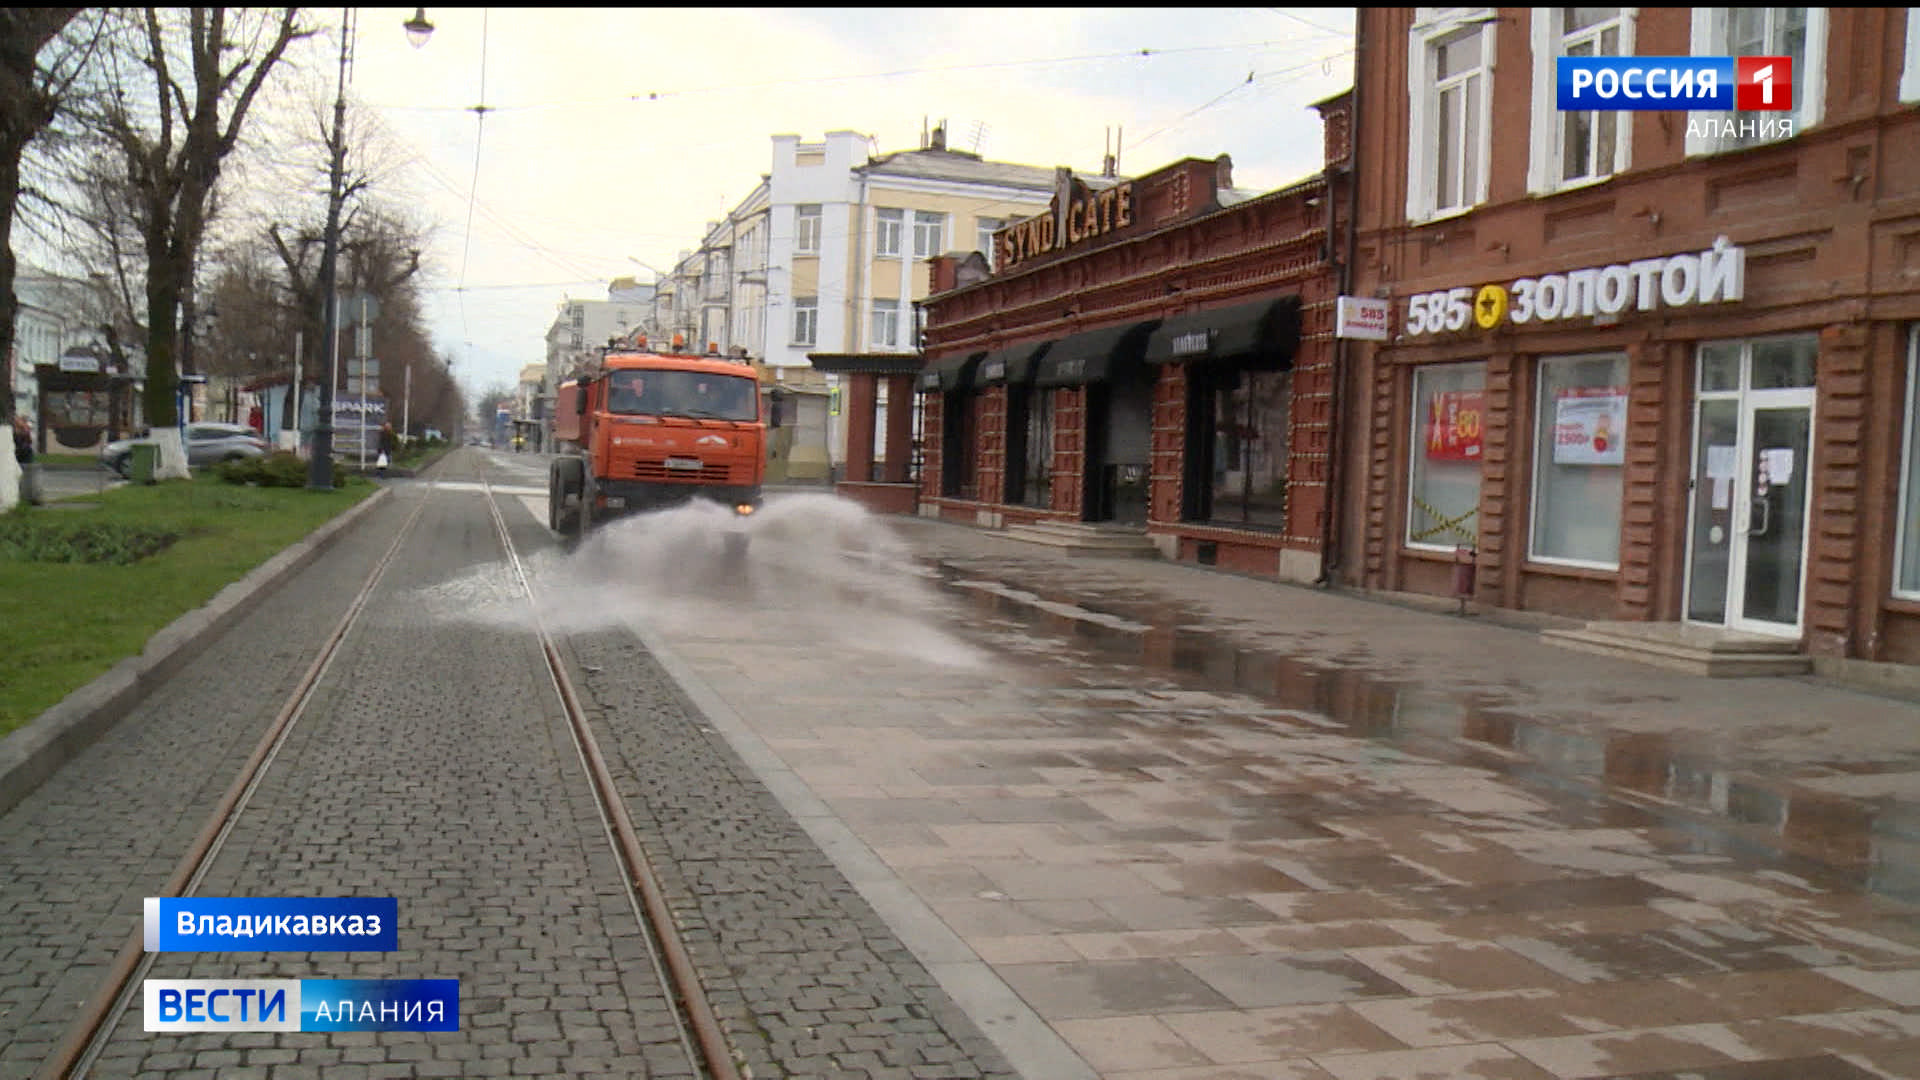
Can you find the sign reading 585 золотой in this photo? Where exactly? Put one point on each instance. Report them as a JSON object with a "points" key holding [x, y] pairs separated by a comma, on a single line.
{"points": [[1716, 275]]}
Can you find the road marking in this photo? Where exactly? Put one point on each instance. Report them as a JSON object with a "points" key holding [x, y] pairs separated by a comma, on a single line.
{"points": [[499, 489]]}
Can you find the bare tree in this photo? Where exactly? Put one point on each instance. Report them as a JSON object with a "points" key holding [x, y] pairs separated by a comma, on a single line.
{"points": [[30, 93], [205, 76]]}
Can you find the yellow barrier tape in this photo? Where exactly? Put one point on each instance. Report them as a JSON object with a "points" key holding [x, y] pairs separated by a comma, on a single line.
{"points": [[1444, 524]]}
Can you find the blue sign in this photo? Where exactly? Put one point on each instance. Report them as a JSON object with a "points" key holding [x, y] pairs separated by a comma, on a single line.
{"points": [[272, 924], [301, 1004], [1615, 83]]}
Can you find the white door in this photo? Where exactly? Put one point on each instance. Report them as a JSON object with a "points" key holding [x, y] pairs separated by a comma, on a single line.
{"points": [[1752, 490]]}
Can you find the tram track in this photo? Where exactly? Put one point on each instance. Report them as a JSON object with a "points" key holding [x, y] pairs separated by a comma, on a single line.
{"points": [[699, 1031]]}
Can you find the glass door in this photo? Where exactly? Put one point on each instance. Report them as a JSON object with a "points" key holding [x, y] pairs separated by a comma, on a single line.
{"points": [[1772, 524], [1753, 434]]}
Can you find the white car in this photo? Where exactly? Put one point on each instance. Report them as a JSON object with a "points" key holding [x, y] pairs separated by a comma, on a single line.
{"points": [[207, 443]]}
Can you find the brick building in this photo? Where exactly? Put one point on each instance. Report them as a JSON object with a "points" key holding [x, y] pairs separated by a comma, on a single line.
{"points": [[1152, 356], [1650, 366]]}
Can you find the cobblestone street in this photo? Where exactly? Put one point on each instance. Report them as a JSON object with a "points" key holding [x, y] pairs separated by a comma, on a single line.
{"points": [[926, 802]]}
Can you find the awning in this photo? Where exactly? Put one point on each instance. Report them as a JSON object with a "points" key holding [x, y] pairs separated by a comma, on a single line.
{"points": [[948, 373], [1092, 356], [1014, 365], [1263, 333]]}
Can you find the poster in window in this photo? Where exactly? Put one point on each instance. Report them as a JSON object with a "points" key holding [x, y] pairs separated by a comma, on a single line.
{"points": [[1454, 425], [1590, 426]]}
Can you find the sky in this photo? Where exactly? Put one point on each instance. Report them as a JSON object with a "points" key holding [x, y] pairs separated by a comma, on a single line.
{"points": [[612, 136]]}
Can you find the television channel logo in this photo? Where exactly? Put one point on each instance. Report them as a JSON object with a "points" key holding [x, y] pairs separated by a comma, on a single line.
{"points": [[1705, 83]]}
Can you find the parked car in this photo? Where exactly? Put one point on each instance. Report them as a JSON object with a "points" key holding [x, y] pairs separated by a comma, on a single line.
{"points": [[207, 443]]}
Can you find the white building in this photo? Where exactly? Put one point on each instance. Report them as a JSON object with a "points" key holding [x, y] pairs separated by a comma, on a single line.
{"points": [[583, 326], [52, 315], [828, 253]]}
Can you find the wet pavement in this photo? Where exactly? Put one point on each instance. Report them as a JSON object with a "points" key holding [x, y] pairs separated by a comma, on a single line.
{"points": [[1150, 821]]}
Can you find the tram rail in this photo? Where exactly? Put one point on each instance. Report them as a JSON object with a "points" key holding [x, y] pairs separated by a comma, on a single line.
{"points": [[700, 1033]]}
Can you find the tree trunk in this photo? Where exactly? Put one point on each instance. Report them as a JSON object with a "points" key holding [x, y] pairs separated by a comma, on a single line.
{"points": [[9, 304], [163, 380]]}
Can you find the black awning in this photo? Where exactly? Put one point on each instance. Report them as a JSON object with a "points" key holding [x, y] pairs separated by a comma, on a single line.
{"points": [[1263, 333], [948, 373], [1014, 365], [1092, 356]]}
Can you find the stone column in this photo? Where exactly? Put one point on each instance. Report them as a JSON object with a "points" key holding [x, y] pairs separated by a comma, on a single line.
{"points": [[900, 403], [862, 398]]}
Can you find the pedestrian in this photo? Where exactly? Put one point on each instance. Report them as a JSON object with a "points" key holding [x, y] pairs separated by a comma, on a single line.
{"points": [[23, 454], [386, 450]]}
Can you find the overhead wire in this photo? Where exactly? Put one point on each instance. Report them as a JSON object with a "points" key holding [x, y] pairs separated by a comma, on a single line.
{"points": [[1250, 80], [819, 80], [1284, 13]]}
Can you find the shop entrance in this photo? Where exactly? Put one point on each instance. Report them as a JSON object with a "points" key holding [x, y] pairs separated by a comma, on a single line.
{"points": [[1751, 486]]}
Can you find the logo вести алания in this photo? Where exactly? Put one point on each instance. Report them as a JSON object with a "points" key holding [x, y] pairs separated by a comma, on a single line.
{"points": [[1707, 83]]}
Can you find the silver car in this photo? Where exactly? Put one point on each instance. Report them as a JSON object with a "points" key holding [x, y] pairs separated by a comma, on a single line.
{"points": [[206, 442]]}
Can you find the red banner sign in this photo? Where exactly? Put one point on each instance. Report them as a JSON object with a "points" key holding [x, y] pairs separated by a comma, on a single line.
{"points": [[1454, 425]]}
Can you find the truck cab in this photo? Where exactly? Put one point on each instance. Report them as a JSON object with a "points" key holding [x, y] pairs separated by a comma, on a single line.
{"points": [[644, 430]]}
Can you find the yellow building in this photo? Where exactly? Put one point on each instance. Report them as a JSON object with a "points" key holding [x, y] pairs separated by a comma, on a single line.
{"points": [[828, 254]]}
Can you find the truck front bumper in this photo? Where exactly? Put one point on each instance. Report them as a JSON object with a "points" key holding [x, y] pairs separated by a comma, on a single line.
{"points": [[639, 496]]}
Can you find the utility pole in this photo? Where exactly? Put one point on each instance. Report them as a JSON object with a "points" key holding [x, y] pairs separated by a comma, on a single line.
{"points": [[320, 465], [299, 341]]}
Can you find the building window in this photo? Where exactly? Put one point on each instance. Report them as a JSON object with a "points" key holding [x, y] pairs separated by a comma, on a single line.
{"points": [[1573, 148], [1798, 33], [806, 229], [927, 231], [1241, 421], [1443, 477], [1030, 446], [886, 324], [957, 444], [1449, 106], [1910, 75], [1906, 577], [806, 320], [886, 233], [1580, 461], [984, 228]]}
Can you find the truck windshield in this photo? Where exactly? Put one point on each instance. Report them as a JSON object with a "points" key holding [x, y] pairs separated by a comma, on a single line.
{"points": [[683, 393]]}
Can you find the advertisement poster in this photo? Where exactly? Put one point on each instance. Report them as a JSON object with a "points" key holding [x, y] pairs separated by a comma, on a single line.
{"points": [[1590, 426], [1454, 425], [353, 416]]}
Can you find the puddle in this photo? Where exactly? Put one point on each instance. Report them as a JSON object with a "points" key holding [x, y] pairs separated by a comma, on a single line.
{"points": [[1870, 846]]}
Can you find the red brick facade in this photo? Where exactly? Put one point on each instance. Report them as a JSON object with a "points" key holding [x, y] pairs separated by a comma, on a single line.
{"points": [[1184, 252], [1827, 221]]}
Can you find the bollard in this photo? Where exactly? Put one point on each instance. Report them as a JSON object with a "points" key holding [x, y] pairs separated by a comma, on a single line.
{"points": [[1464, 568]]}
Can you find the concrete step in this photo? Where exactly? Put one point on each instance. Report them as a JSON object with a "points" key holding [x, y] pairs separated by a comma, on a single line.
{"points": [[1086, 539], [1697, 650]]}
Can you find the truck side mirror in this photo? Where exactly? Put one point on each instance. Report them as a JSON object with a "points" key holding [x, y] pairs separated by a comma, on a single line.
{"points": [[776, 410], [580, 400]]}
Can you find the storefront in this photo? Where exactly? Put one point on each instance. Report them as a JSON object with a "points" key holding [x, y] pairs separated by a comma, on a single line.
{"points": [[1169, 373], [1105, 373], [84, 403], [1672, 436], [1643, 367]]}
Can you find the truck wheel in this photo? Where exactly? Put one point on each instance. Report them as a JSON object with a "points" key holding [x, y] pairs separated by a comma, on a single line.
{"points": [[562, 481], [583, 521]]}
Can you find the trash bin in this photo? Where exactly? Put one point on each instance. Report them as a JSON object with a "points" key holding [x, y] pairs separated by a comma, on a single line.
{"points": [[141, 464]]}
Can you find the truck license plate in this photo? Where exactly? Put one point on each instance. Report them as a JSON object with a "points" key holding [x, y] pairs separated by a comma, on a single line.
{"points": [[684, 463]]}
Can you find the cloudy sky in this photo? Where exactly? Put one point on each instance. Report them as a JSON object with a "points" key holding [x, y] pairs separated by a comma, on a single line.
{"points": [[614, 135]]}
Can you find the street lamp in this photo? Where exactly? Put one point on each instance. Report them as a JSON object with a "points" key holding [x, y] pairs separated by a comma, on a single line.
{"points": [[320, 465], [418, 28]]}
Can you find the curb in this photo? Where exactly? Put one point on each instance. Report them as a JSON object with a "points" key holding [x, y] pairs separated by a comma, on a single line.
{"points": [[33, 753]]}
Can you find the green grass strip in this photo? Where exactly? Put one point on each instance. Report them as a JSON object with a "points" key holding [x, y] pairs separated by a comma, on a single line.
{"points": [[64, 623]]}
